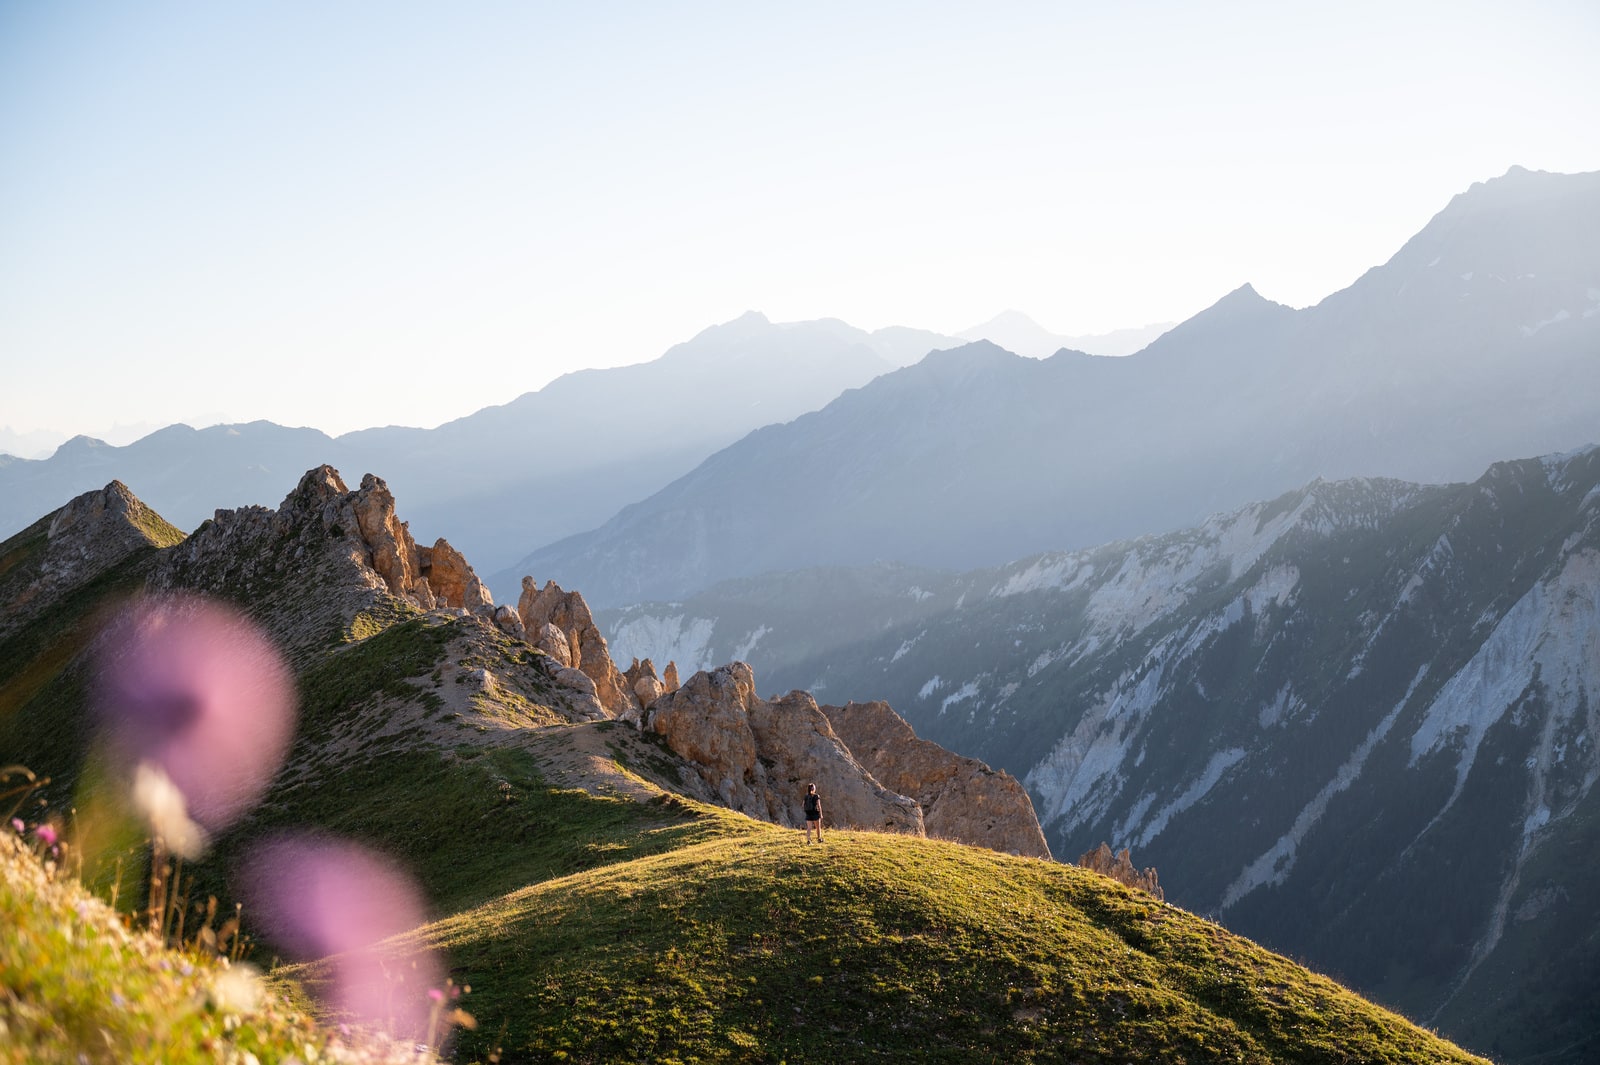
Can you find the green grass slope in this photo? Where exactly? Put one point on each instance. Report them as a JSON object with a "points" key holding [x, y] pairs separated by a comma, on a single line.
{"points": [[875, 947]]}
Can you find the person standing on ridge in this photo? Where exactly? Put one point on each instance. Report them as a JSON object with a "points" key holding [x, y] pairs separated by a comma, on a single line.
{"points": [[813, 812]]}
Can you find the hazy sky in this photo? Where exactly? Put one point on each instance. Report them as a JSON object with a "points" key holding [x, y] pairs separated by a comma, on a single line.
{"points": [[350, 214]]}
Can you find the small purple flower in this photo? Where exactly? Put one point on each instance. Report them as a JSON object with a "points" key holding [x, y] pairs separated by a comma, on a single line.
{"points": [[46, 834]]}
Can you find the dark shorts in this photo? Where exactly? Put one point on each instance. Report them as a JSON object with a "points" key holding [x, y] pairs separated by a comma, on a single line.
{"points": [[813, 820]]}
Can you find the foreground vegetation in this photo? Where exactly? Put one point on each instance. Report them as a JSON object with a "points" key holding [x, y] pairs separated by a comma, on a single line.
{"points": [[77, 986]]}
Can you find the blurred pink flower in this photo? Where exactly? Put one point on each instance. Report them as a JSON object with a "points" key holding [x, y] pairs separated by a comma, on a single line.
{"points": [[16, 823], [197, 690], [46, 834], [325, 898]]}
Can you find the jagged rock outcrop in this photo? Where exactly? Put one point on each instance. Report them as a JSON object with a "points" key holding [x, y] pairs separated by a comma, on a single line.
{"points": [[1120, 868], [393, 552], [962, 798], [646, 686], [451, 577], [757, 756], [569, 615]]}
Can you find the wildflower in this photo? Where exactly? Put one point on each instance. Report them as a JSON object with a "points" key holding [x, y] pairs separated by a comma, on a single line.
{"points": [[161, 805], [199, 692], [236, 989], [46, 834], [16, 823], [322, 897]]}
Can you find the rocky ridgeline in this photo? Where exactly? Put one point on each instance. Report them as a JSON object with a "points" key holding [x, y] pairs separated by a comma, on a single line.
{"points": [[327, 554]]}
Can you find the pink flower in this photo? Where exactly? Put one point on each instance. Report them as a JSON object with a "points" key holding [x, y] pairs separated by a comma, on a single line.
{"points": [[435, 994], [198, 691], [46, 834], [16, 823], [326, 898]]}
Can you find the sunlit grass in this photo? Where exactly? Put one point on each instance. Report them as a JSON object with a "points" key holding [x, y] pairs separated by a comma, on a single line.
{"points": [[76, 985], [881, 947]]}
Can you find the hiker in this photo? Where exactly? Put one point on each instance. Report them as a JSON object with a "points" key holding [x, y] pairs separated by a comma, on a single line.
{"points": [[813, 812]]}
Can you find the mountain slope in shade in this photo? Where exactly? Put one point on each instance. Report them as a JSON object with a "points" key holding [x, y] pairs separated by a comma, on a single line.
{"points": [[591, 440], [1357, 722], [1480, 338]]}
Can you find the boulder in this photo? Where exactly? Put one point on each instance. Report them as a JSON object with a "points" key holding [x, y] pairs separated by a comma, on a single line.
{"points": [[508, 621], [552, 641], [961, 798]]}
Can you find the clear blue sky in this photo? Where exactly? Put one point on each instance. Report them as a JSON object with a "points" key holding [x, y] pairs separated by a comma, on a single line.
{"points": [[350, 214]]}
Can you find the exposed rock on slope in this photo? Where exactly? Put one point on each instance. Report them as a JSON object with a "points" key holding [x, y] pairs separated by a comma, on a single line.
{"points": [[758, 756], [961, 798], [451, 578], [566, 630]]}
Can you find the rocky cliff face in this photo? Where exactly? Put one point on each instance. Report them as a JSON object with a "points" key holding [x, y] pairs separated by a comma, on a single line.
{"points": [[757, 756], [961, 798], [560, 624]]}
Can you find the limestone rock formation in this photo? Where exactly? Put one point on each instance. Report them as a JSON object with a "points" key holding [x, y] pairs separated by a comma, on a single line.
{"points": [[757, 756], [451, 578], [1121, 869], [388, 539], [962, 798], [646, 686], [669, 677], [586, 648]]}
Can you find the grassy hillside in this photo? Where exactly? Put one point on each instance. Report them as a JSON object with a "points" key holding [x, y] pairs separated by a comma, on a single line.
{"points": [[886, 948]]}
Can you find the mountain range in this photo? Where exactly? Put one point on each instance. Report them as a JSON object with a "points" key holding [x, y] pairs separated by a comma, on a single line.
{"points": [[1356, 722], [1479, 339], [508, 477]]}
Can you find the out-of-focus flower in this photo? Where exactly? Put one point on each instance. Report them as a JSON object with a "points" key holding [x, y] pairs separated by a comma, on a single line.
{"points": [[326, 898], [16, 823], [46, 834], [237, 989], [161, 805], [196, 690]]}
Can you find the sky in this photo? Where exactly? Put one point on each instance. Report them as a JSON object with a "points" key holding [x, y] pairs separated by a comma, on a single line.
{"points": [[356, 214]]}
